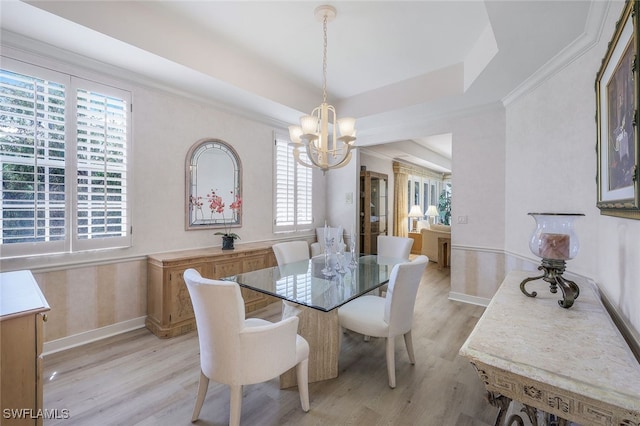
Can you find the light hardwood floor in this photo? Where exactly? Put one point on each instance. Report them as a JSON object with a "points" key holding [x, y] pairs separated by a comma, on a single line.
{"points": [[137, 379]]}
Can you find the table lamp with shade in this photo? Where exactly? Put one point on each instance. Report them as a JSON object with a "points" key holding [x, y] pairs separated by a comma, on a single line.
{"points": [[432, 212], [415, 213]]}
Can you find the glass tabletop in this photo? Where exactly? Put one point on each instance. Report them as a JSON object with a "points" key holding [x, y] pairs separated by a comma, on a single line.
{"points": [[305, 282]]}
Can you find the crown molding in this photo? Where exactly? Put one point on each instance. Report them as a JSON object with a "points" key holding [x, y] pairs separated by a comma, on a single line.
{"points": [[598, 12]]}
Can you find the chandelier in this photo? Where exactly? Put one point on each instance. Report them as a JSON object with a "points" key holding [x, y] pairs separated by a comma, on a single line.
{"points": [[315, 141]]}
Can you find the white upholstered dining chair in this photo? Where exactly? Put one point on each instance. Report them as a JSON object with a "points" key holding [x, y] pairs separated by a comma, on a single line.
{"points": [[286, 253], [236, 351], [396, 247], [393, 247], [388, 316], [290, 252], [317, 248]]}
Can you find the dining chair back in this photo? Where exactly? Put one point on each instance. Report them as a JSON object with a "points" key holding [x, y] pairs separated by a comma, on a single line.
{"points": [[335, 233], [237, 351], [291, 251], [401, 295], [388, 316], [393, 246]]}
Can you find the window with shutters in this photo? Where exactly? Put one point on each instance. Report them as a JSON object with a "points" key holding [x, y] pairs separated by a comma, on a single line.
{"points": [[293, 190], [64, 144]]}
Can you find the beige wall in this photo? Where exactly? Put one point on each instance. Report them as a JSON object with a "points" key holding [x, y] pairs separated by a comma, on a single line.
{"points": [[551, 166], [538, 155], [477, 183]]}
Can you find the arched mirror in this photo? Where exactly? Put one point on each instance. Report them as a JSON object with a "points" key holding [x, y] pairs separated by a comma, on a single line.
{"points": [[213, 180]]}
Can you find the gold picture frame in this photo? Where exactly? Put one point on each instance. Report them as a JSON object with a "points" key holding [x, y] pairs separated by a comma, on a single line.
{"points": [[617, 119]]}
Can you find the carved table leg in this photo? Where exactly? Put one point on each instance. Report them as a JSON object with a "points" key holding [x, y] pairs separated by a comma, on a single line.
{"points": [[500, 401], [515, 418], [532, 413], [553, 420], [503, 402]]}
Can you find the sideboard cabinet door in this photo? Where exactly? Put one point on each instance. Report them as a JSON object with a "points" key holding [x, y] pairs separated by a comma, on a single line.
{"points": [[181, 309]]}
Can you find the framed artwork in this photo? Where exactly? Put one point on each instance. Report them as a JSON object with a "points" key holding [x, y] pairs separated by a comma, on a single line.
{"points": [[617, 119]]}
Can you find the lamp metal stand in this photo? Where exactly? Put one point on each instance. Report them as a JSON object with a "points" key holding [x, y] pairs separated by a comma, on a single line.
{"points": [[553, 270]]}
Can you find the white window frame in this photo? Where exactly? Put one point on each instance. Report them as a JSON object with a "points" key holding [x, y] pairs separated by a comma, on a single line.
{"points": [[71, 242], [298, 199]]}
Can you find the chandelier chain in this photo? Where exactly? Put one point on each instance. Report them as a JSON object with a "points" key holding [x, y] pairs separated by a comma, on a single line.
{"points": [[324, 61], [316, 138]]}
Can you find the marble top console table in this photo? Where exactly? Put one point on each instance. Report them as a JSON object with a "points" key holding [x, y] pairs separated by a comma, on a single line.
{"points": [[571, 363]]}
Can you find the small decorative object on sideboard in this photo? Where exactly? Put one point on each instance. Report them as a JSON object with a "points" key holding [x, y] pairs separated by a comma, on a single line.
{"points": [[216, 205], [228, 240], [555, 241]]}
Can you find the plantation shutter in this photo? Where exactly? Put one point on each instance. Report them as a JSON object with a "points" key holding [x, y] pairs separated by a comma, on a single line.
{"points": [[102, 116], [304, 189], [32, 149], [285, 185], [293, 190]]}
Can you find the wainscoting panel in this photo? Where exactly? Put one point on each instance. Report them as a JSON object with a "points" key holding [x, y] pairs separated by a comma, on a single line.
{"points": [[92, 297], [477, 272]]}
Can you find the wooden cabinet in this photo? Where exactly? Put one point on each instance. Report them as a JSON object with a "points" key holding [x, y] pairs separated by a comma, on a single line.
{"points": [[22, 309], [373, 210], [169, 309], [416, 248]]}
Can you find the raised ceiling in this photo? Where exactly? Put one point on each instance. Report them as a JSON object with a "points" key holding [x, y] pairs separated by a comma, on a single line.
{"points": [[395, 66]]}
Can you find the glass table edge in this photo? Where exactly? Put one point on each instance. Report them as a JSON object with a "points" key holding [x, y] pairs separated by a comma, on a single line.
{"points": [[232, 278]]}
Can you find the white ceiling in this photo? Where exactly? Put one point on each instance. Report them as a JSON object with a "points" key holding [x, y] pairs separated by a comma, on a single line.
{"points": [[395, 66]]}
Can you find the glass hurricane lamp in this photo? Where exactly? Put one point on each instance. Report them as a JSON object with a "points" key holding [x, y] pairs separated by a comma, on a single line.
{"points": [[555, 241]]}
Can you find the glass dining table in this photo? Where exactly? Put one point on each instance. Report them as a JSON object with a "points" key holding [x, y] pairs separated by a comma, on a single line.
{"points": [[313, 292]]}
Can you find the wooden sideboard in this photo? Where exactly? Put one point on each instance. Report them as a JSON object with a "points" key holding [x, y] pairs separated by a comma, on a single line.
{"points": [[169, 309], [570, 363], [416, 248], [22, 309]]}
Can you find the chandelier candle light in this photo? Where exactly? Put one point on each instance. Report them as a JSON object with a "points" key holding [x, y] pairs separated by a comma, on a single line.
{"points": [[317, 133], [555, 241]]}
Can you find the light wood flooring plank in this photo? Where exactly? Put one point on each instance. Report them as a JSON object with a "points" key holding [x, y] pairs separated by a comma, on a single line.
{"points": [[137, 379]]}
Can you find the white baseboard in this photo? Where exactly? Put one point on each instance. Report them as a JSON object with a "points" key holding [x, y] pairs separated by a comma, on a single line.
{"points": [[92, 335], [465, 298]]}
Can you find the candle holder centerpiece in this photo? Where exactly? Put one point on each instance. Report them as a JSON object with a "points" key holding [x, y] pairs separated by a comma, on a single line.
{"points": [[555, 241]]}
